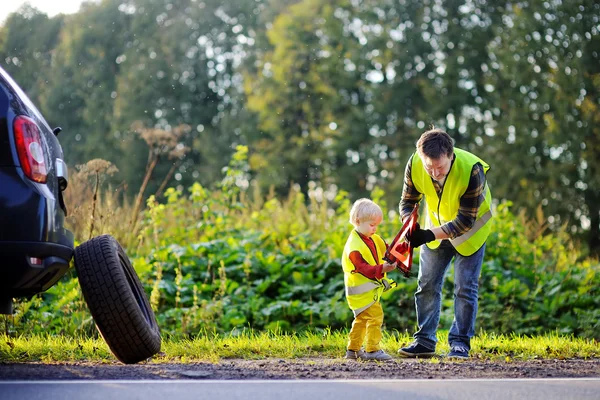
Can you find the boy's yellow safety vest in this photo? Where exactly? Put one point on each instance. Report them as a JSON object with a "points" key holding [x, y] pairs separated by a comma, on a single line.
{"points": [[362, 292], [443, 209]]}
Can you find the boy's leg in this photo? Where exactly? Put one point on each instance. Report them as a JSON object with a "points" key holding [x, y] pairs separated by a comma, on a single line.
{"points": [[374, 324], [428, 298], [466, 288], [357, 333]]}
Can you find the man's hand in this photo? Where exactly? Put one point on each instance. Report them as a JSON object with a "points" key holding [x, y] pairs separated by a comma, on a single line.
{"points": [[420, 237]]}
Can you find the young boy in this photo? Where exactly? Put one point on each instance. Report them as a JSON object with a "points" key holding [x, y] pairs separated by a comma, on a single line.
{"points": [[365, 280]]}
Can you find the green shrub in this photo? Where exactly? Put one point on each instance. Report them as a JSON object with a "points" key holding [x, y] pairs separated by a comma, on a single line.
{"points": [[231, 259]]}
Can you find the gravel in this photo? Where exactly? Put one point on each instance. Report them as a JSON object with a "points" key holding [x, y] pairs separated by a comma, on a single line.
{"points": [[314, 368]]}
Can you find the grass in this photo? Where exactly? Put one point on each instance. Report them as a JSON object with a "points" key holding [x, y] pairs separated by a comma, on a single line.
{"points": [[263, 345]]}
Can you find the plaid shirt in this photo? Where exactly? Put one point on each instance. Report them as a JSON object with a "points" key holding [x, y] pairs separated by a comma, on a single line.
{"points": [[469, 202]]}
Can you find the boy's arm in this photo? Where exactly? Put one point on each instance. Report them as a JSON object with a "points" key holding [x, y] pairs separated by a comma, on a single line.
{"points": [[364, 268]]}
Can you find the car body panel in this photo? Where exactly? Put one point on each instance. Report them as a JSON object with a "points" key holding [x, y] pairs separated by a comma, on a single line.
{"points": [[36, 248]]}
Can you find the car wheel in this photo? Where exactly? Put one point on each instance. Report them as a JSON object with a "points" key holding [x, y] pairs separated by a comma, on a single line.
{"points": [[116, 299]]}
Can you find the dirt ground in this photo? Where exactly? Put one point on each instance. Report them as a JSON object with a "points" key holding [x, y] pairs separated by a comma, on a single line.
{"points": [[317, 368]]}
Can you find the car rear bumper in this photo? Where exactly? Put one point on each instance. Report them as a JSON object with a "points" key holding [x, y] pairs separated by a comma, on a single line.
{"points": [[32, 267]]}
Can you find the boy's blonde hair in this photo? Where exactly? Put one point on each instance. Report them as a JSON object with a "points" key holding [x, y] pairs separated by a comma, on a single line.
{"points": [[365, 210]]}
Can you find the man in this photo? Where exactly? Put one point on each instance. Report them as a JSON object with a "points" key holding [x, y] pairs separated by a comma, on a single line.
{"points": [[458, 201]]}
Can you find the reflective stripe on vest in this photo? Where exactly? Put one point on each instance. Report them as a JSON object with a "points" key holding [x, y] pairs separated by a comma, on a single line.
{"points": [[359, 310], [362, 292], [474, 229], [445, 209], [360, 289]]}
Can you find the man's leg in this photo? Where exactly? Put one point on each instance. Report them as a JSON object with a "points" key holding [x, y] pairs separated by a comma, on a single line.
{"points": [[466, 289], [433, 264]]}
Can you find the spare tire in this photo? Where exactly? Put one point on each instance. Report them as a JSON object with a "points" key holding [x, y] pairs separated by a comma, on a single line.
{"points": [[116, 299]]}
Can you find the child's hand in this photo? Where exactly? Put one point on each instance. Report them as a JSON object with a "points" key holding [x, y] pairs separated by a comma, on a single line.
{"points": [[387, 267]]}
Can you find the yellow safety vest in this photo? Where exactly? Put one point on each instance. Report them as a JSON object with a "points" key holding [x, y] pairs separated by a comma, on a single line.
{"points": [[362, 292], [443, 209]]}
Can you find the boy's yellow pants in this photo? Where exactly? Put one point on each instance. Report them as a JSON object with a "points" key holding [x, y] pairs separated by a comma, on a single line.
{"points": [[368, 323]]}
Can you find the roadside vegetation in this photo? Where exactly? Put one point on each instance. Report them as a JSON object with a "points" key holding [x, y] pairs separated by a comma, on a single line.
{"points": [[214, 347], [225, 267]]}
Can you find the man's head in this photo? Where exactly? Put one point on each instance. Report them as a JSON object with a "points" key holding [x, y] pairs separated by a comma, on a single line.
{"points": [[365, 215], [436, 150]]}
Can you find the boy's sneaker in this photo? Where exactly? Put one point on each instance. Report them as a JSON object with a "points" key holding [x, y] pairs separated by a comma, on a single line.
{"points": [[378, 355], [458, 351], [354, 355], [416, 349]]}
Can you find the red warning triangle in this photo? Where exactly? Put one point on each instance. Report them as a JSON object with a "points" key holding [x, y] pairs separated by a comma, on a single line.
{"points": [[400, 251]]}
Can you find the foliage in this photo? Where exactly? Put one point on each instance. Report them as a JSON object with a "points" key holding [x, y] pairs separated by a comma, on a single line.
{"points": [[95, 208], [228, 260], [542, 87], [303, 97], [530, 285], [27, 41]]}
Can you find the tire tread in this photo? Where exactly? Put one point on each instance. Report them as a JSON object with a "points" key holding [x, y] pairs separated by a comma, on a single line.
{"points": [[112, 301]]}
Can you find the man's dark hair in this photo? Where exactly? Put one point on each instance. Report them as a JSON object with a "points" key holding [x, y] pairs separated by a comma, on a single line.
{"points": [[434, 144]]}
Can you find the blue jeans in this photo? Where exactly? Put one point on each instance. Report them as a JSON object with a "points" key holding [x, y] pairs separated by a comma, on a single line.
{"points": [[433, 265]]}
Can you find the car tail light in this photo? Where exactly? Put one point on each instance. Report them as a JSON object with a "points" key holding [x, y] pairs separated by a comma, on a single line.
{"points": [[30, 148]]}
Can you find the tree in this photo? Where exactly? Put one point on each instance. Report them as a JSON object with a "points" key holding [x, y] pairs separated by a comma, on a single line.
{"points": [[80, 90], [27, 41], [546, 75], [179, 68], [310, 97]]}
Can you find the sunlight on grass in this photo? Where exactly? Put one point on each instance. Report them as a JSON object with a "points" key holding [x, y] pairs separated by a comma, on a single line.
{"points": [[551, 345], [210, 347], [257, 346], [52, 348]]}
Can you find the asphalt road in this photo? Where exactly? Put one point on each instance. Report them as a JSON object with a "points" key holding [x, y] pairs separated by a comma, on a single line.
{"points": [[460, 389]]}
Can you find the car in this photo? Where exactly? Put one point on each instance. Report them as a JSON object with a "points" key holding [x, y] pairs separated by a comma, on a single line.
{"points": [[37, 249], [35, 245]]}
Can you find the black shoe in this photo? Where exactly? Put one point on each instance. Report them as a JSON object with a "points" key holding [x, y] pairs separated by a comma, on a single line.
{"points": [[416, 349], [459, 351]]}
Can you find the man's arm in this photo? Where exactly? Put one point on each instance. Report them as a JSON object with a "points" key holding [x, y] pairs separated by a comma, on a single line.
{"points": [[470, 202], [468, 208], [410, 195]]}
